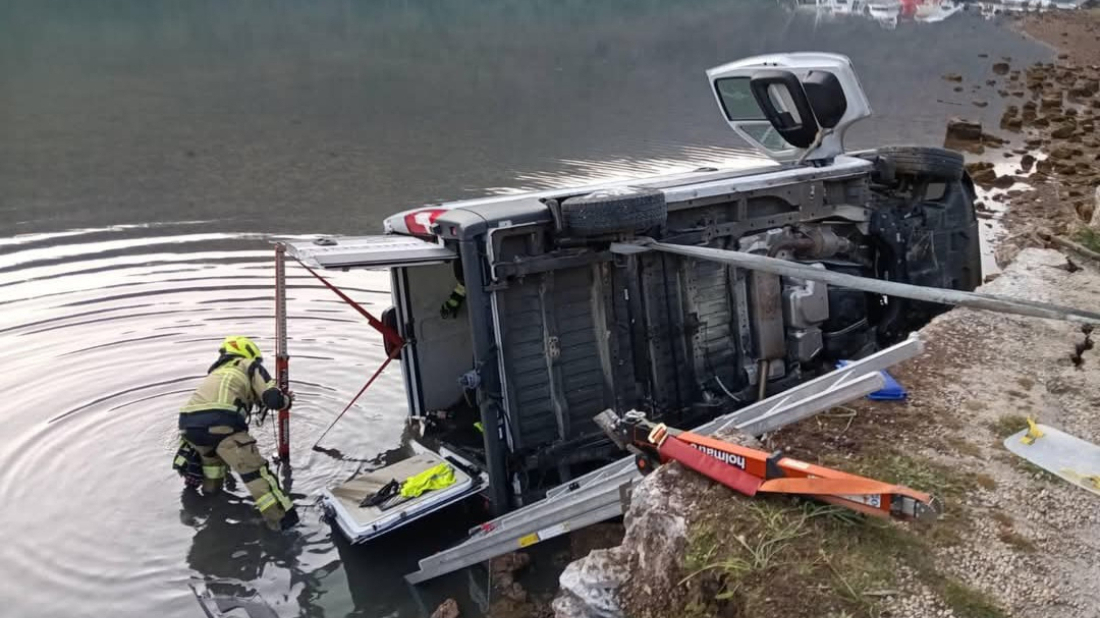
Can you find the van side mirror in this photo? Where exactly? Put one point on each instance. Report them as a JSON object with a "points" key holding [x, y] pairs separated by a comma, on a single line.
{"points": [[785, 105], [389, 318], [826, 97]]}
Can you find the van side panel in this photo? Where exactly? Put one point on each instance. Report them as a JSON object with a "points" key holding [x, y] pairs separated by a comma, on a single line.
{"points": [[555, 348]]}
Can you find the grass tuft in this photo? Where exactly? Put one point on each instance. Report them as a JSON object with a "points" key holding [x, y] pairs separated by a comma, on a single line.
{"points": [[1007, 425], [1088, 238], [967, 602]]}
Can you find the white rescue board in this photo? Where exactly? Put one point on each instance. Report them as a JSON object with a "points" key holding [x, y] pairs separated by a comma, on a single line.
{"points": [[1059, 453]]}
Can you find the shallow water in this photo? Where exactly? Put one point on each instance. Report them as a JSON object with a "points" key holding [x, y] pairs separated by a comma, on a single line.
{"points": [[149, 153]]}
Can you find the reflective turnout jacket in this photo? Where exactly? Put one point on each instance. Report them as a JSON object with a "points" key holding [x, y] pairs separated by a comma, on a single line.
{"points": [[229, 392]]}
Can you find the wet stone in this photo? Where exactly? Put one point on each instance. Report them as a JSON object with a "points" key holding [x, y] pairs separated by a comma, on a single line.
{"points": [[962, 130], [448, 609], [1064, 131]]}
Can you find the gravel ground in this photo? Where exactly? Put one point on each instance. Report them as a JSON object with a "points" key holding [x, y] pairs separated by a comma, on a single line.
{"points": [[1034, 542]]}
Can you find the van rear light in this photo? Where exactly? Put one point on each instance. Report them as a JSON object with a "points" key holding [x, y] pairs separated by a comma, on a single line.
{"points": [[420, 222]]}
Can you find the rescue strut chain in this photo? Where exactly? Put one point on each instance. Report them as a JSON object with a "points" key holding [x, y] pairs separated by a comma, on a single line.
{"points": [[392, 337]]}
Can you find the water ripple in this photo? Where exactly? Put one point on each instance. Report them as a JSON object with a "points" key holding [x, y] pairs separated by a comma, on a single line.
{"points": [[99, 352]]}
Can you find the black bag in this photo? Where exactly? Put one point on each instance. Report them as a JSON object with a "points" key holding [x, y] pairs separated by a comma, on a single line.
{"points": [[188, 463]]}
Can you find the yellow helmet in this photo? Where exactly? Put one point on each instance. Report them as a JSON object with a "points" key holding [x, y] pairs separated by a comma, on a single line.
{"points": [[236, 345]]}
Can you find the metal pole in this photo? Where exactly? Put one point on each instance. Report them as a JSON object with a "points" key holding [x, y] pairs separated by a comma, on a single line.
{"points": [[282, 358], [974, 300]]}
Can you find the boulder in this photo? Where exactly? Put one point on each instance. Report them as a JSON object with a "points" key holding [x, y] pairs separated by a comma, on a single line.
{"points": [[504, 568], [448, 609], [992, 140], [1001, 68], [1085, 210], [1026, 162], [1061, 153], [1065, 168], [1094, 222], [984, 178], [960, 130], [1063, 131], [646, 567], [953, 77], [589, 587]]}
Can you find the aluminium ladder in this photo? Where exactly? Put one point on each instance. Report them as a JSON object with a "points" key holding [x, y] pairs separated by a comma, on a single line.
{"points": [[598, 495]]}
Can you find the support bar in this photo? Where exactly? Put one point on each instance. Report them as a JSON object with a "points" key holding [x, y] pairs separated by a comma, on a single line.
{"points": [[785, 268]]}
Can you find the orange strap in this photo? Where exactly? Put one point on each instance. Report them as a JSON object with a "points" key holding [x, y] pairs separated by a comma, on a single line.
{"points": [[839, 487]]}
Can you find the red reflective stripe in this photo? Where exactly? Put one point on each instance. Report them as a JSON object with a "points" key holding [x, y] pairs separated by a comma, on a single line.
{"points": [[730, 476], [388, 333]]}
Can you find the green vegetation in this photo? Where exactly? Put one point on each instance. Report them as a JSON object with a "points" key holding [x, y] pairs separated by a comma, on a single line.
{"points": [[920, 474], [803, 559], [779, 556], [1088, 238], [1007, 425], [968, 602]]}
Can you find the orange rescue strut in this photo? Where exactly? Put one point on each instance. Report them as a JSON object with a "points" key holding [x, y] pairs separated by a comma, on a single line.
{"points": [[749, 471]]}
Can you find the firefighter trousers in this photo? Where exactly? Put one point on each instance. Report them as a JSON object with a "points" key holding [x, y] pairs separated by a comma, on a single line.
{"points": [[238, 451]]}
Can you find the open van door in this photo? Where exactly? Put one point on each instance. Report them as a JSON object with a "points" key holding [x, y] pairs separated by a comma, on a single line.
{"points": [[369, 252], [791, 106], [421, 273]]}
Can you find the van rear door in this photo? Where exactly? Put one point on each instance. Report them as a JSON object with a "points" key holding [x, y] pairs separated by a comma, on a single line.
{"points": [[421, 278], [386, 251]]}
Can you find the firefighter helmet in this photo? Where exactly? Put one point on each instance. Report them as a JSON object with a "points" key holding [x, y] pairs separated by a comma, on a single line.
{"points": [[236, 345]]}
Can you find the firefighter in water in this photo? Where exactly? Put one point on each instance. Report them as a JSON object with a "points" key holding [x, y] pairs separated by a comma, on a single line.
{"points": [[214, 430]]}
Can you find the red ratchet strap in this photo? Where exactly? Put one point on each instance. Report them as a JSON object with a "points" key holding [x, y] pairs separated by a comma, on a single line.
{"points": [[351, 403], [389, 334], [395, 341]]}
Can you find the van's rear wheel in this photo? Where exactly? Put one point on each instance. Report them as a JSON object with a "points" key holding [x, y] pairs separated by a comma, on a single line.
{"points": [[608, 211]]}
